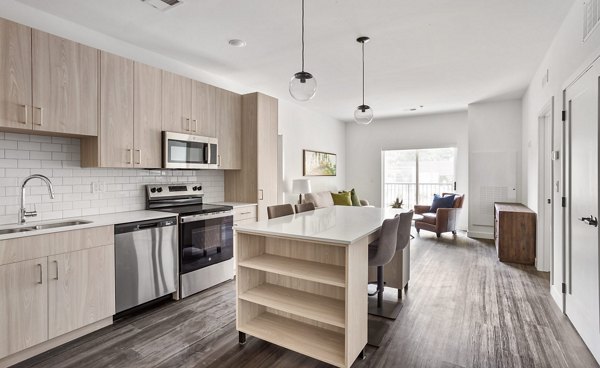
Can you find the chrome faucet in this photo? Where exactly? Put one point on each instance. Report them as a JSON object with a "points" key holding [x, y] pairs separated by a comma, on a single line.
{"points": [[23, 213]]}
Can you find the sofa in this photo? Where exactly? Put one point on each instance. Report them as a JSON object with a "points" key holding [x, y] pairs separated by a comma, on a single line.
{"points": [[323, 199], [443, 220]]}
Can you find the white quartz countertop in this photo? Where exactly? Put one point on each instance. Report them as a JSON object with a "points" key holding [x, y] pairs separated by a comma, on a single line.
{"points": [[235, 204], [337, 224], [94, 221]]}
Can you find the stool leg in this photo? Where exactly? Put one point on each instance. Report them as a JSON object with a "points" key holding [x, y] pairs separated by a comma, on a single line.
{"points": [[380, 286]]}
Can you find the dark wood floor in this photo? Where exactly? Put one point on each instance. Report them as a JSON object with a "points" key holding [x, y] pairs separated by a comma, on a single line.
{"points": [[463, 309]]}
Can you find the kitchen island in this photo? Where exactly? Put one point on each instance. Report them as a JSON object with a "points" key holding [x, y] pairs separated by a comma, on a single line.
{"points": [[302, 281]]}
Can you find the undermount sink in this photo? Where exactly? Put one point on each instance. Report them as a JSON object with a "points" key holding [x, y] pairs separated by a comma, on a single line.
{"points": [[15, 230], [43, 226]]}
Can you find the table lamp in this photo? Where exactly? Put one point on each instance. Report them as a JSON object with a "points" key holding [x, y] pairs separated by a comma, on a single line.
{"points": [[301, 186]]}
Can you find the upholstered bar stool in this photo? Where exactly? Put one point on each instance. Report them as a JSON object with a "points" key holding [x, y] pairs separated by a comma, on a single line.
{"points": [[279, 210], [404, 237], [305, 207]]}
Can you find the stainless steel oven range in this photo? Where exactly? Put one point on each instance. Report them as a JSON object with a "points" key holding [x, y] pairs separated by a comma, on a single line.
{"points": [[205, 235]]}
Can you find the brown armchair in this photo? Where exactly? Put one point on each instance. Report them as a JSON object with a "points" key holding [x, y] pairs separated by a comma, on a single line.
{"points": [[444, 220]]}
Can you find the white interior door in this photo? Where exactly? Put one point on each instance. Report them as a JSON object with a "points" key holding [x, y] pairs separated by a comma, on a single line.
{"points": [[582, 304]]}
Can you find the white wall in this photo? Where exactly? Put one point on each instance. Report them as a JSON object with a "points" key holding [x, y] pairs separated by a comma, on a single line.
{"points": [[494, 158], [364, 145], [305, 129], [58, 158], [566, 58]]}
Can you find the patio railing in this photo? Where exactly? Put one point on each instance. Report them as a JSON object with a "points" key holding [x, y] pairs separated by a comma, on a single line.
{"points": [[409, 191]]}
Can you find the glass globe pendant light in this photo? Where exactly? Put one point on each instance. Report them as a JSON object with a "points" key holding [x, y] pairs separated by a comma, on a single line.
{"points": [[363, 114], [303, 85]]}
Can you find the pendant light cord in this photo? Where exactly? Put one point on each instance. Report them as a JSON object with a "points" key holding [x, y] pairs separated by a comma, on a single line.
{"points": [[363, 72], [303, 35]]}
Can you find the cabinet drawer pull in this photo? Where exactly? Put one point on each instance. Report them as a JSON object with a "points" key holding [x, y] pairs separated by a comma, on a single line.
{"points": [[56, 263], [24, 114], [260, 194], [39, 265], [245, 213]]}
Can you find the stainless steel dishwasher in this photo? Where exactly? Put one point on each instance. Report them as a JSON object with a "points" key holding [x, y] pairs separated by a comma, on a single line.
{"points": [[145, 261]]}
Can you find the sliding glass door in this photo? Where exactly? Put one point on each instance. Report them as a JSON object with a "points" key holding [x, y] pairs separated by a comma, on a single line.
{"points": [[413, 176]]}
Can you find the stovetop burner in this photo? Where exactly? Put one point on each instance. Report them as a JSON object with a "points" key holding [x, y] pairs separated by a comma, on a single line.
{"points": [[184, 199]]}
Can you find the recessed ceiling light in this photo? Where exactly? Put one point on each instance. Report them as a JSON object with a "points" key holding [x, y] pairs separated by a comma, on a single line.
{"points": [[237, 43]]}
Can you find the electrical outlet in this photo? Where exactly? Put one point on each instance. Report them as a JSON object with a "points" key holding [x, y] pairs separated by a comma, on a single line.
{"points": [[98, 187]]}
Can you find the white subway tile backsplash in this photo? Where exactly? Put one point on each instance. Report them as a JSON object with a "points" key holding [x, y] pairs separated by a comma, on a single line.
{"points": [[116, 190]]}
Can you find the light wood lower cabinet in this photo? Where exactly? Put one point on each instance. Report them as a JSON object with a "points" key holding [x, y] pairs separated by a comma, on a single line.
{"points": [[23, 305], [15, 75], [81, 289], [54, 284]]}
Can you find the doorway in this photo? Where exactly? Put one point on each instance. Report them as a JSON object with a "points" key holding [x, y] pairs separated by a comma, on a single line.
{"points": [[582, 298]]}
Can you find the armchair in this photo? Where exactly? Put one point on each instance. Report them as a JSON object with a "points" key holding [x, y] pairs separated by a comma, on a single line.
{"points": [[444, 220]]}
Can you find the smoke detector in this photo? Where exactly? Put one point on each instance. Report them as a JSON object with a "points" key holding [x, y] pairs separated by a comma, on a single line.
{"points": [[162, 5]]}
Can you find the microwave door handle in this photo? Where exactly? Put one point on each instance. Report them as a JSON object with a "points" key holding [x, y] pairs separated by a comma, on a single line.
{"points": [[207, 153]]}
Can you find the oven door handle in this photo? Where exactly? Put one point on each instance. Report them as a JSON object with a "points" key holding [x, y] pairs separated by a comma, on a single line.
{"points": [[192, 218]]}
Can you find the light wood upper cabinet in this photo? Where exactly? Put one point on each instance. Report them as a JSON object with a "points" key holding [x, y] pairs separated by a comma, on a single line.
{"points": [[147, 116], [176, 103], [116, 111], [203, 109], [23, 305], [15, 75], [65, 85], [81, 289], [229, 129]]}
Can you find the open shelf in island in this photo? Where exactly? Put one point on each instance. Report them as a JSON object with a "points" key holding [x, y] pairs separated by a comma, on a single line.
{"points": [[306, 296]]}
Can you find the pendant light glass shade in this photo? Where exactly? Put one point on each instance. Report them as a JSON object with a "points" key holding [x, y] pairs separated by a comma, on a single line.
{"points": [[363, 115], [303, 85]]}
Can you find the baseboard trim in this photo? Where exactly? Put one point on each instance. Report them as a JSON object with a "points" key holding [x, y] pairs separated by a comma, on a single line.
{"points": [[51, 344], [480, 235], [558, 297]]}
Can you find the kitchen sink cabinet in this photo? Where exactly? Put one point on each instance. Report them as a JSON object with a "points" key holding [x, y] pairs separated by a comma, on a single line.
{"points": [[81, 289], [24, 305], [54, 288]]}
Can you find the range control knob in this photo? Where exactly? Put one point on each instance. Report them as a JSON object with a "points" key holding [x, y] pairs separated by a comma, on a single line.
{"points": [[195, 188], [153, 190], [199, 187], [159, 189]]}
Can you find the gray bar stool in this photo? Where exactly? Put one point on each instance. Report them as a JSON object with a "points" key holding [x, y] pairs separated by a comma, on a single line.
{"points": [[404, 237], [305, 207], [279, 210], [381, 252]]}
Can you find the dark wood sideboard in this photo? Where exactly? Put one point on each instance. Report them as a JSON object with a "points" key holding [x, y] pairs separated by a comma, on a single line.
{"points": [[514, 233]]}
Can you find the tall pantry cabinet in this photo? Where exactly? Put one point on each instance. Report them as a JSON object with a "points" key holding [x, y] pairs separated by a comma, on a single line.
{"points": [[256, 182]]}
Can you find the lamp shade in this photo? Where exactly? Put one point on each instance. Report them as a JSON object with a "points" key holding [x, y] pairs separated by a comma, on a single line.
{"points": [[301, 186]]}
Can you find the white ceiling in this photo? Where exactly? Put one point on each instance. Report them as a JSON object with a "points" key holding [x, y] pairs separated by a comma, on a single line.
{"points": [[443, 54]]}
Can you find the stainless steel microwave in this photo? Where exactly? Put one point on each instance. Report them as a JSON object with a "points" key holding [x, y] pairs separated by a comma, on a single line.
{"points": [[188, 151]]}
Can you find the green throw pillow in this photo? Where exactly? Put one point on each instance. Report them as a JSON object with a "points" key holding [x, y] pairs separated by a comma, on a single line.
{"points": [[341, 199], [353, 197]]}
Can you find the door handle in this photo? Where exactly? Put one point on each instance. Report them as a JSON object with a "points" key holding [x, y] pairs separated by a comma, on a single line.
{"points": [[260, 194], [139, 161], [41, 109], [56, 263], [24, 114], [195, 125], [41, 273], [130, 154], [189, 125], [592, 221]]}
